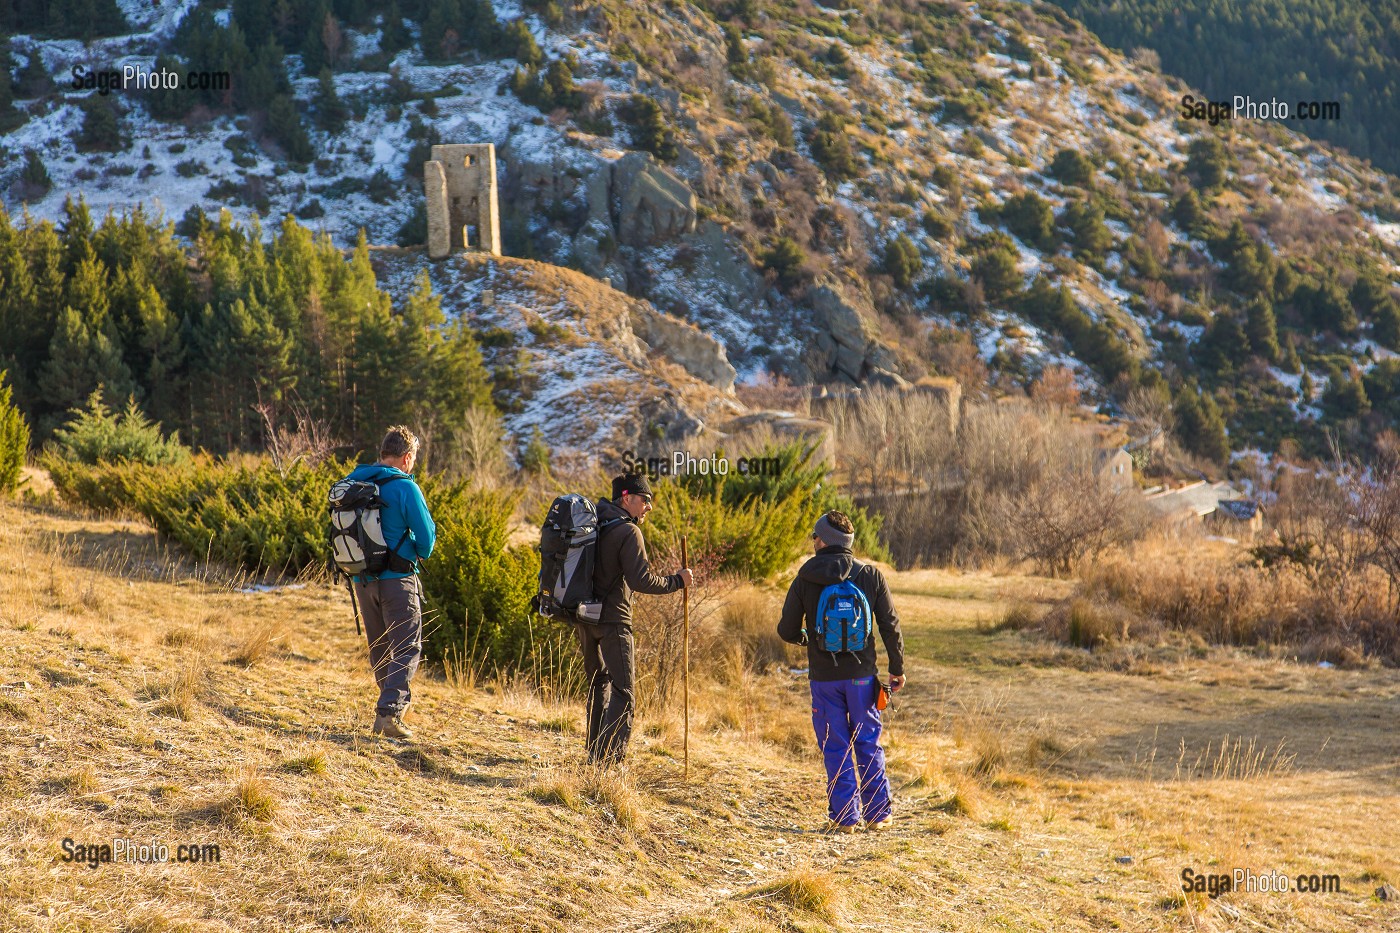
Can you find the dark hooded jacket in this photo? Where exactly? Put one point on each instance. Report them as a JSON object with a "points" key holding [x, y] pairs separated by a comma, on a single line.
{"points": [[622, 565], [830, 565]]}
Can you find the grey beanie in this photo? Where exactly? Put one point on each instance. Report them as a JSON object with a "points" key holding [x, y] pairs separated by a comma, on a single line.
{"points": [[830, 534]]}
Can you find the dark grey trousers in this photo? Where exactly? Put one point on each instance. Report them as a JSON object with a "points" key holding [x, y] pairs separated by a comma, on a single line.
{"points": [[393, 613], [608, 664]]}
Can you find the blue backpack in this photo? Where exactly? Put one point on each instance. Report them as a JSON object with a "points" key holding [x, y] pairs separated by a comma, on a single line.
{"points": [[843, 618]]}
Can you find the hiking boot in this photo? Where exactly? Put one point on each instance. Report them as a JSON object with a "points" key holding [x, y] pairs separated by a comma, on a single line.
{"points": [[392, 727], [880, 825], [834, 827]]}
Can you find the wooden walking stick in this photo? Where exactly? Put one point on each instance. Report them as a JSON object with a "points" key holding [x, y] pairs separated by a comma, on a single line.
{"points": [[685, 657]]}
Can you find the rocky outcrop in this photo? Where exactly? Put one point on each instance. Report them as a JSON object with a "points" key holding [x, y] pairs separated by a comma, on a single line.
{"points": [[685, 345], [784, 427], [616, 218], [650, 205], [845, 346]]}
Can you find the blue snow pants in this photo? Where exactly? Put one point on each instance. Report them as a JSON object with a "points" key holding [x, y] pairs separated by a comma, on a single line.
{"points": [[848, 730]]}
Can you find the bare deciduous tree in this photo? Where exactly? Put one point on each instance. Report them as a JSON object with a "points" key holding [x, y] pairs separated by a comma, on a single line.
{"points": [[309, 441]]}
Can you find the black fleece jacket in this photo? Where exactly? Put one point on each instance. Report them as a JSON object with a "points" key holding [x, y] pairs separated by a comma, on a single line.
{"points": [[830, 565], [622, 566]]}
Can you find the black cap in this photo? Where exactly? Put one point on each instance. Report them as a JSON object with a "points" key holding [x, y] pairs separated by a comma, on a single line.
{"points": [[635, 483]]}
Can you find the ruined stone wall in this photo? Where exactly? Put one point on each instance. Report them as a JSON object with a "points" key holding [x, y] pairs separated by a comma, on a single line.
{"points": [[459, 183]]}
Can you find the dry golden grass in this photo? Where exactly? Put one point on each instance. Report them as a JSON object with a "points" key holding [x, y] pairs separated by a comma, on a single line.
{"points": [[807, 890], [311, 763], [252, 800], [1001, 748], [562, 786], [258, 643]]}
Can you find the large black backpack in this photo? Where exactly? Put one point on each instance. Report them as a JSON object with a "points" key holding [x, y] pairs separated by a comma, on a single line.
{"points": [[568, 553]]}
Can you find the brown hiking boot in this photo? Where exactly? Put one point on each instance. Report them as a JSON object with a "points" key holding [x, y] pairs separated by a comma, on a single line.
{"points": [[843, 828], [392, 726]]}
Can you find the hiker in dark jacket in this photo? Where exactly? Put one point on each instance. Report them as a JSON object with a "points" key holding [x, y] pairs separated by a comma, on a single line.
{"points": [[392, 602], [621, 569], [845, 685]]}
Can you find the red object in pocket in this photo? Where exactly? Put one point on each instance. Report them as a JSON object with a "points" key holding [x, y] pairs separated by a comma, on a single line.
{"points": [[882, 698]]}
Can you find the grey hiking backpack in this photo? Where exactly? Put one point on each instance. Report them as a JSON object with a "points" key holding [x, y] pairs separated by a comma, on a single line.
{"points": [[357, 531], [568, 553]]}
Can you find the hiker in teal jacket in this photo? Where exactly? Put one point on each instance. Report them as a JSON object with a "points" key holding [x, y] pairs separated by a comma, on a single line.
{"points": [[392, 602]]}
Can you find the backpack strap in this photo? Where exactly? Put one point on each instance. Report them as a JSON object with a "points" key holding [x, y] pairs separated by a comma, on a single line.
{"points": [[397, 563]]}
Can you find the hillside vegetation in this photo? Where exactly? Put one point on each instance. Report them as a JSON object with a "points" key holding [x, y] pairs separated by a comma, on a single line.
{"points": [[148, 698], [977, 191], [1320, 50]]}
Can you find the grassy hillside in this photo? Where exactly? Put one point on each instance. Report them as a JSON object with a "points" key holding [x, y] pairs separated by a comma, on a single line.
{"points": [[145, 698]]}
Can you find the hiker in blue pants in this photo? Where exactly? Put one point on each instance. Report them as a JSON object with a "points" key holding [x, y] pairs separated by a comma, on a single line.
{"points": [[833, 607]]}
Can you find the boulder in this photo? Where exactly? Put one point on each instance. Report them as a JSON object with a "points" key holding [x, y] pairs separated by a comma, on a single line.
{"points": [[784, 427], [650, 205], [838, 317], [684, 344]]}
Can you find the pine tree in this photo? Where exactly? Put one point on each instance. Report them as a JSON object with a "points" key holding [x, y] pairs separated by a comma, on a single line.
{"points": [[831, 149], [80, 359], [1306, 388], [1092, 239], [1207, 161], [394, 36], [1224, 345], [902, 261], [1214, 443], [1070, 167], [285, 125], [160, 356], [1199, 425], [1386, 326], [520, 44], [331, 111], [265, 79], [8, 114], [14, 438], [312, 45], [1249, 265], [171, 103], [1188, 212], [1290, 362], [480, 28], [1030, 218], [1262, 329], [101, 129], [1345, 397], [35, 175]]}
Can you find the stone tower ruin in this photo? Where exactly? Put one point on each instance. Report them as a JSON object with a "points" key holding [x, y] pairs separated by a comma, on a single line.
{"points": [[460, 185]]}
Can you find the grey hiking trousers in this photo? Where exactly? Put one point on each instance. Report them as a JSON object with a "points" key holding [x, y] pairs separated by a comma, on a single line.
{"points": [[393, 614]]}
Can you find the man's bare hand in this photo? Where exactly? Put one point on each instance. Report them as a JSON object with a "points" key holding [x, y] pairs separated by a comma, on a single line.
{"points": [[896, 682], [687, 578]]}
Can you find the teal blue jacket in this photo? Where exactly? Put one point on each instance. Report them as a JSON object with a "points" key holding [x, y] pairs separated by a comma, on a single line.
{"points": [[404, 507]]}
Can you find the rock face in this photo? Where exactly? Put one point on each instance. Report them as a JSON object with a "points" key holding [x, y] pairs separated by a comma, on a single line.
{"points": [[618, 219], [685, 345], [650, 204], [845, 346]]}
